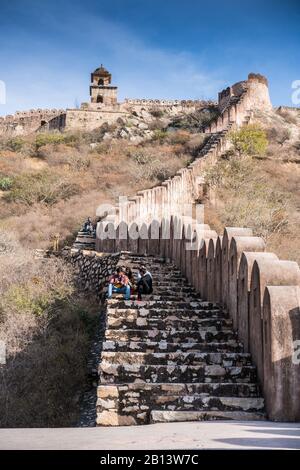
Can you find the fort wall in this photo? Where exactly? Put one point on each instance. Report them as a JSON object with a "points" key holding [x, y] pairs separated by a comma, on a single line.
{"points": [[27, 122], [230, 268]]}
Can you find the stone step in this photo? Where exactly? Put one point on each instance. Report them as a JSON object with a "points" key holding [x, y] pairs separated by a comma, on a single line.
{"points": [[171, 284], [178, 358], [179, 292], [163, 296], [124, 373], [163, 346], [147, 302], [195, 402], [129, 322], [158, 416], [143, 391], [130, 314], [143, 414], [161, 272], [172, 290], [210, 403], [172, 336], [81, 233]]}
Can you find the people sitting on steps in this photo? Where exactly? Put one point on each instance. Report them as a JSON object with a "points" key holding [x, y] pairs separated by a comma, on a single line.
{"points": [[144, 284], [132, 280], [119, 283], [89, 227]]}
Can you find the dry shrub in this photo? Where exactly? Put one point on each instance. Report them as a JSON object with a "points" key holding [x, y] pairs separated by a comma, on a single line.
{"points": [[288, 115], [178, 137], [47, 328], [157, 125], [195, 143], [245, 197], [43, 187], [153, 164], [278, 134]]}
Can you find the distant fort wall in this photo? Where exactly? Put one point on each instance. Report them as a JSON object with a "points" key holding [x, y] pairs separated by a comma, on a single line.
{"points": [[27, 122], [164, 103], [234, 104]]}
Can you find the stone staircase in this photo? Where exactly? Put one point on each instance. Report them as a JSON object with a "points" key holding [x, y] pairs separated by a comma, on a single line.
{"points": [[172, 357], [84, 241]]}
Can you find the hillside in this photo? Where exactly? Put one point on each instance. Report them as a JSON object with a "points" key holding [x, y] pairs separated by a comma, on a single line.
{"points": [[50, 182], [262, 192]]}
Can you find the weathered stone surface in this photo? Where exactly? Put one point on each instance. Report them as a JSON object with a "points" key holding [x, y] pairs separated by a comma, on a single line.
{"points": [[174, 353], [107, 391]]}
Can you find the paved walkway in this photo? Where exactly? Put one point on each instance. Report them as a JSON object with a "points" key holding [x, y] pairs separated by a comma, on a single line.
{"points": [[187, 435]]}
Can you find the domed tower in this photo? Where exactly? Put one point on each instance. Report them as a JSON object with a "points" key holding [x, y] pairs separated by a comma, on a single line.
{"points": [[101, 90]]}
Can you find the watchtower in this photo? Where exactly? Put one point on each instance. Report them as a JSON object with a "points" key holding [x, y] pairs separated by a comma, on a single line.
{"points": [[101, 90]]}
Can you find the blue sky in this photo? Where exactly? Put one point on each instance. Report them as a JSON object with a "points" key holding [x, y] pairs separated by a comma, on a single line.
{"points": [[154, 48]]}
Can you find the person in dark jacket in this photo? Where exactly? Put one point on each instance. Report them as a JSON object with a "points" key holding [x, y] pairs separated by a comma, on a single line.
{"points": [[144, 284]]}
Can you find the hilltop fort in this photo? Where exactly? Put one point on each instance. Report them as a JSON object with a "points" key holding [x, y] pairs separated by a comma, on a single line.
{"points": [[104, 106]]}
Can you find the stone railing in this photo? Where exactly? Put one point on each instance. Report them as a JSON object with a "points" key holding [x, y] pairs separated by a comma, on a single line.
{"points": [[176, 195], [260, 293]]}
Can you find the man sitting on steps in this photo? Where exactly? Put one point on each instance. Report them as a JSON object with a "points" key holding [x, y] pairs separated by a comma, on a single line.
{"points": [[119, 283], [88, 226], [144, 284]]}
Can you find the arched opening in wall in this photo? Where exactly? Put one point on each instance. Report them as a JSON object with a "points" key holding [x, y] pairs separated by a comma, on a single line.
{"points": [[43, 123], [101, 82], [99, 99]]}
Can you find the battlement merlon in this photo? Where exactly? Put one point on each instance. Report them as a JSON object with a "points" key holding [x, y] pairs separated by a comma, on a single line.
{"points": [[166, 103]]}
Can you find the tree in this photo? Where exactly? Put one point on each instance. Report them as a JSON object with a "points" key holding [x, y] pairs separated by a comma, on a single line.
{"points": [[250, 140]]}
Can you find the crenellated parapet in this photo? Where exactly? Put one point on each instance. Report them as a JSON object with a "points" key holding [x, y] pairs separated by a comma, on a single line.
{"points": [[164, 103], [32, 113], [26, 122]]}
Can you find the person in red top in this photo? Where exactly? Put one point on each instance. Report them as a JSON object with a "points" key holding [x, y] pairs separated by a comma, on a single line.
{"points": [[119, 283]]}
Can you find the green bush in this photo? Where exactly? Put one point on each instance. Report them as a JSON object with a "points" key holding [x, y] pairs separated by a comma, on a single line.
{"points": [[15, 144], [43, 187], [160, 135], [54, 139], [5, 183], [250, 140]]}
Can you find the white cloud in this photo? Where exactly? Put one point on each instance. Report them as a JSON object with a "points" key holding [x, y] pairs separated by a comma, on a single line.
{"points": [[57, 75]]}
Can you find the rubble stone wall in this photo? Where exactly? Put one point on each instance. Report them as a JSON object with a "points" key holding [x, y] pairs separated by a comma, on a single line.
{"points": [[92, 268]]}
